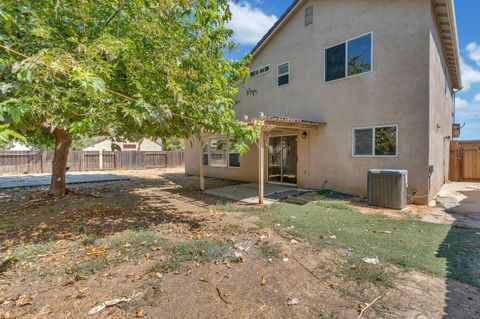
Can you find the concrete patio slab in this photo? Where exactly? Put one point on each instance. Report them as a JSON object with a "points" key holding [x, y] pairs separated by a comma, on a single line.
{"points": [[460, 203], [44, 179], [248, 193]]}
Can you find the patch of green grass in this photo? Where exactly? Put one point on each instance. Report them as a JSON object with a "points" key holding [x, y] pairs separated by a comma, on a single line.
{"points": [[90, 266], [224, 206], [8, 262], [441, 250], [199, 251], [271, 250], [30, 252], [379, 275], [131, 243]]}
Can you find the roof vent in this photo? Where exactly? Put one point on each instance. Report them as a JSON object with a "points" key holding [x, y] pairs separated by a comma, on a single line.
{"points": [[308, 15]]}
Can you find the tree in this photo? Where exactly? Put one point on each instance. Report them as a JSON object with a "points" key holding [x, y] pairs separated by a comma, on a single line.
{"points": [[126, 69], [6, 135], [173, 143]]}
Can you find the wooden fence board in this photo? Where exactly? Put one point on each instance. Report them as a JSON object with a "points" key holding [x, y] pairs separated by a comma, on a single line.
{"points": [[29, 162]]}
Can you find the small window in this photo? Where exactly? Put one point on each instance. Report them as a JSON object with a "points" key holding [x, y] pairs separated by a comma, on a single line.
{"points": [[218, 152], [349, 58], [233, 155], [265, 69], [283, 74], [260, 71], [205, 154], [308, 15], [375, 141]]}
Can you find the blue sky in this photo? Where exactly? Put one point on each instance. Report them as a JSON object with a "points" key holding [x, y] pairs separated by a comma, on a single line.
{"points": [[252, 18]]}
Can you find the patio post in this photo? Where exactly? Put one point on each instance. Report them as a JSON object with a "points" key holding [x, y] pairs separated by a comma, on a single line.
{"points": [[261, 165], [201, 168]]}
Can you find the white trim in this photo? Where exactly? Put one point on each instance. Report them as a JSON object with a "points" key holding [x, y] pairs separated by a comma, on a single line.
{"points": [[289, 71], [373, 128], [283, 184], [346, 58]]}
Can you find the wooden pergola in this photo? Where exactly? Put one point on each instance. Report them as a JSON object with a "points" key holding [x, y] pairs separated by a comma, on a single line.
{"points": [[268, 124]]}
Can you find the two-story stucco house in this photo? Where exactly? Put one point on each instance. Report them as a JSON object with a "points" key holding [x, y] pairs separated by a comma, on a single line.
{"points": [[344, 86]]}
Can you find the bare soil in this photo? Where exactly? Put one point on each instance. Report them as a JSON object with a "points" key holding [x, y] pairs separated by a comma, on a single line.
{"points": [[174, 252]]}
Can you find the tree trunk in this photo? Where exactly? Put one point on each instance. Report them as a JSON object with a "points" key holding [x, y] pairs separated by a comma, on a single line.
{"points": [[59, 164]]}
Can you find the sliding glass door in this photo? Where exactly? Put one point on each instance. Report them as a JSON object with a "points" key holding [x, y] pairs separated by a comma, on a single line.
{"points": [[282, 160]]}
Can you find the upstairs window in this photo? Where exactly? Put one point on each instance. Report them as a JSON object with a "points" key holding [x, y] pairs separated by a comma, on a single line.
{"points": [[283, 74], [375, 141], [260, 71], [349, 58], [308, 15]]}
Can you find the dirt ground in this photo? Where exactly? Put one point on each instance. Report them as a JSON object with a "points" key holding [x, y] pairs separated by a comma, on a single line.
{"points": [[173, 252]]}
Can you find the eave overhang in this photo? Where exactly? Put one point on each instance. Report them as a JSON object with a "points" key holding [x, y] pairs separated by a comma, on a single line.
{"points": [[444, 11]]}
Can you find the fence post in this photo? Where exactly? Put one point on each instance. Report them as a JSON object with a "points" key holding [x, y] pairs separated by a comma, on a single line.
{"points": [[100, 159]]}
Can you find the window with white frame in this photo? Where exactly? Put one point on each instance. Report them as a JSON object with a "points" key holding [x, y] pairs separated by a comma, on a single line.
{"points": [[220, 152], [375, 141], [283, 74], [349, 58]]}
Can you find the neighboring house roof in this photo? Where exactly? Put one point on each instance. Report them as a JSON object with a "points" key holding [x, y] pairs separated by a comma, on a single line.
{"points": [[445, 14]]}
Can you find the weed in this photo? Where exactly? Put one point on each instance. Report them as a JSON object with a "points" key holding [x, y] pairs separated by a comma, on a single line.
{"points": [[90, 266], [271, 250], [199, 251], [8, 262], [78, 228]]}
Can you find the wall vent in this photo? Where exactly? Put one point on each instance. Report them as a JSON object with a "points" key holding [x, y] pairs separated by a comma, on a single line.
{"points": [[308, 15]]}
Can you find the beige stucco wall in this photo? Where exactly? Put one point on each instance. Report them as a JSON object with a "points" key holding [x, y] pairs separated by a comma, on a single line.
{"points": [[441, 112], [247, 172], [395, 92]]}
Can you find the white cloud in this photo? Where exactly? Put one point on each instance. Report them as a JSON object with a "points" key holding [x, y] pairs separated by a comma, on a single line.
{"points": [[477, 98], [473, 50], [248, 23], [460, 103], [470, 75]]}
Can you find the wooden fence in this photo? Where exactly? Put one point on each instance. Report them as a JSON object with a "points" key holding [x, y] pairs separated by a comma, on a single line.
{"points": [[464, 160], [26, 162]]}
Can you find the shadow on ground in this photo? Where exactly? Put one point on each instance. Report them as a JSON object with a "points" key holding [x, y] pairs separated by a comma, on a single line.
{"points": [[461, 250], [102, 209]]}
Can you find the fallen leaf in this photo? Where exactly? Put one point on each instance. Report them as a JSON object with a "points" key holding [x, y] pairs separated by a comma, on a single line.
{"points": [[264, 281], [141, 313]]}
